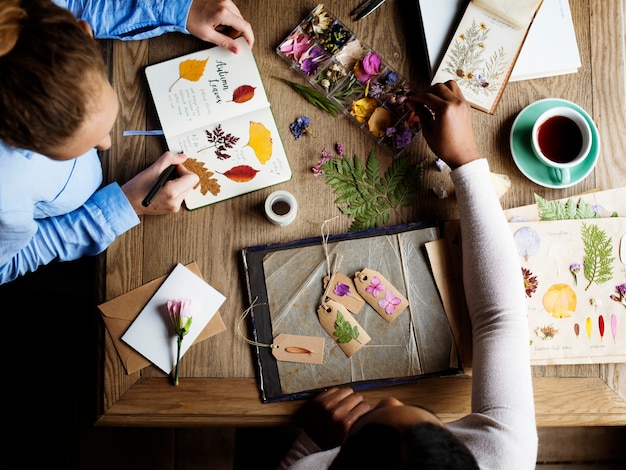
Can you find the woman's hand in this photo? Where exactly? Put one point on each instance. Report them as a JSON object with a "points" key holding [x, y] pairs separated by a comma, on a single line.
{"points": [[330, 415], [446, 122], [218, 22], [171, 195]]}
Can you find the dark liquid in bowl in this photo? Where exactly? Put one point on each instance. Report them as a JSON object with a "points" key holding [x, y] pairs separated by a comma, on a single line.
{"points": [[560, 139]]}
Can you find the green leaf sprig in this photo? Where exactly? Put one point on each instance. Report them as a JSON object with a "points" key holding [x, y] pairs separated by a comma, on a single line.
{"points": [[368, 197], [344, 331], [315, 97], [597, 261], [557, 210]]}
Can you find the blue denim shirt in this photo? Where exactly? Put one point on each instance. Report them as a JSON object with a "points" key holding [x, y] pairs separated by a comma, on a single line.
{"points": [[55, 210]]}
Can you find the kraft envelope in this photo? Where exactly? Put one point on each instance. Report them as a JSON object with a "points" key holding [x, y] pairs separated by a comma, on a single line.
{"points": [[152, 333], [120, 312]]}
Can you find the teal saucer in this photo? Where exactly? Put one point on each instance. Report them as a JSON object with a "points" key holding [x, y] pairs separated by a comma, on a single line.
{"points": [[526, 160]]}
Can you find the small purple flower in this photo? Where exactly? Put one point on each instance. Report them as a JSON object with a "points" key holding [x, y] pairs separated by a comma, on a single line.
{"points": [[620, 294], [342, 289], [340, 149], [310, 64], [317, 169], [403, 138], [390, 79], [575, 269], [300, 126]]}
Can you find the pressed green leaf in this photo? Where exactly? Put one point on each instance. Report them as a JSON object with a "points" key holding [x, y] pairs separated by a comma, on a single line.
{"points": [[344, 331], [557, 210], [366, 195], [598, 259]]}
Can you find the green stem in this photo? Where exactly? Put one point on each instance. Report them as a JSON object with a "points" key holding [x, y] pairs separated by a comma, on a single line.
{"points": [[180, 340]]}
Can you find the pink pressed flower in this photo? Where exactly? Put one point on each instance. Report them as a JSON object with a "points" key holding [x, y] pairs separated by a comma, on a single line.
{"points": [[296, 45], [340, 149], [389, 303], [375, 287]]}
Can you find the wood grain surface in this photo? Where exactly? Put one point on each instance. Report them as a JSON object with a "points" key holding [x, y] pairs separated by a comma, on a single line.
{"points": [[218, 385]]}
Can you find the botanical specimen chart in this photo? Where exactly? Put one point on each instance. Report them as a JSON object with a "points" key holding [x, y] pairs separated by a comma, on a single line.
{"points": [[575, 280]]}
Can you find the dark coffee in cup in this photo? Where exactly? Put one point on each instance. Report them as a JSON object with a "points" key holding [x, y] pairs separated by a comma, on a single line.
{"points": [[560, 139]]}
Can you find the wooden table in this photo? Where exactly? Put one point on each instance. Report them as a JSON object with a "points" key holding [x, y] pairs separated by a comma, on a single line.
{"points": [[218, 385]]}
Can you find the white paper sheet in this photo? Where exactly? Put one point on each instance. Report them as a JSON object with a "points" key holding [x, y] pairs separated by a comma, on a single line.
{"points": [[152, 333]]}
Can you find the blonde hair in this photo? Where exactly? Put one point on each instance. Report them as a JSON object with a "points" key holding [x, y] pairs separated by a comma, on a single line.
{"points": [[51, 70]]}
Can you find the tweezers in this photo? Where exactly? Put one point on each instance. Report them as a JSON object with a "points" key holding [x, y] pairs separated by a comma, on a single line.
{"points": [[365, 8]]}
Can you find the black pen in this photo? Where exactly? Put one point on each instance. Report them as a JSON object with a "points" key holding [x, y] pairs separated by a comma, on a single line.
{"points": [[166, 175]]}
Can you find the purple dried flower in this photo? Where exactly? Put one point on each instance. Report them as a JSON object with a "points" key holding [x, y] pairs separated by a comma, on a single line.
{"points": [[300, 126], [391, 78], [340, 149], [310, 64], [403, 138], [341, 289]]}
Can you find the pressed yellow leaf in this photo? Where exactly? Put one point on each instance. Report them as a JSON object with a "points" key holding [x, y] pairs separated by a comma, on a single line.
{"points": [[260, 141], [191, 69]]}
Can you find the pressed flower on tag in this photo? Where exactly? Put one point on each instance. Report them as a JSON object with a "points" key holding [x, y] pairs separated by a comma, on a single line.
{"points": [[181, 314]]}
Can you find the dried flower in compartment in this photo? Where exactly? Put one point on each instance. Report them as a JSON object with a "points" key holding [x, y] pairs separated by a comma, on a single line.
{"points": [[296, 45], [335, 38], [350, 53], [362, 109], [368, 67], [332, 75], [312, 59], [319, 22]]}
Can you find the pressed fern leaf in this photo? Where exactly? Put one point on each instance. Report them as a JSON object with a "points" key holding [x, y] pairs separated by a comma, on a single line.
{"points": [[597, 260], [557, 210], [366, 195]]}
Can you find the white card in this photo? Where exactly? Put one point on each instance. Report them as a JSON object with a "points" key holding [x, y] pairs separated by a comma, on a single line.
{"points": [[152, 333]]}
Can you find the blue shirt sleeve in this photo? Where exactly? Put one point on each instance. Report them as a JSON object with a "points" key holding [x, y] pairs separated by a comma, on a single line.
{"points": [[88, 230], [130, 19]]}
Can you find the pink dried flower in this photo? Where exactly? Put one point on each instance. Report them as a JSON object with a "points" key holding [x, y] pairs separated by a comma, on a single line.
{"points": [[181, 313]]}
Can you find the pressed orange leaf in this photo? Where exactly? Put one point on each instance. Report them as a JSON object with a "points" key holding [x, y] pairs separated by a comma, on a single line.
{"points": [[243, 93], [260, 141], [241, 173], [191, 69], [207, 183]]}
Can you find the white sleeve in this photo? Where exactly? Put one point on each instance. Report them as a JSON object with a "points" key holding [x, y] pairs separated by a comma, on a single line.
{"points": [[503, 417]]}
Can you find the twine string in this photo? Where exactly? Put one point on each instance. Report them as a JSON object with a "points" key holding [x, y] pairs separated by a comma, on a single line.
{"points": [[242, 318]]}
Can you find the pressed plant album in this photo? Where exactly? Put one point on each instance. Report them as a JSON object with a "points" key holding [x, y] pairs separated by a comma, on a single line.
{"points": [[387, 321], [484, 48], [213, 107]]}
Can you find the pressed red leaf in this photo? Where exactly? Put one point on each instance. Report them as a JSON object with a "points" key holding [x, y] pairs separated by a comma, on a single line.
{"points": [[243, 93], [241, 173]]}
